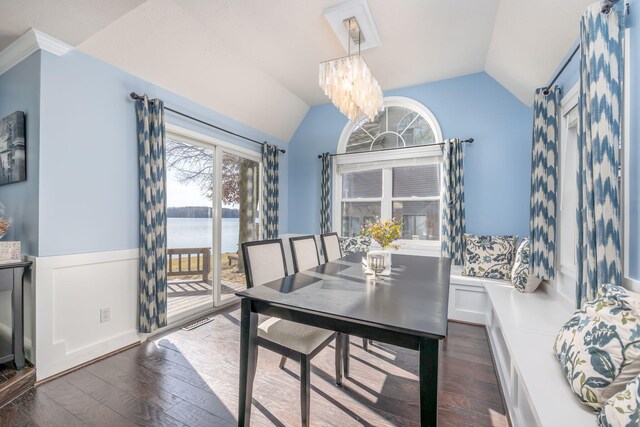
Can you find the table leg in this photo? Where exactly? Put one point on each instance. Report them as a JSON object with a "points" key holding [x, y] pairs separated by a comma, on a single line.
{"points": [[345, 354], [338, 359], [248, 360], [18, 318], [428, 382]]}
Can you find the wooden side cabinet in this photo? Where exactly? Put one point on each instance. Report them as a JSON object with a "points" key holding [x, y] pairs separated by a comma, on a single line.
{"points": [[12, 279]]}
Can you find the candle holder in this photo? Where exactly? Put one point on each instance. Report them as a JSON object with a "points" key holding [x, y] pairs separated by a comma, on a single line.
{"points": [[377, 264]]}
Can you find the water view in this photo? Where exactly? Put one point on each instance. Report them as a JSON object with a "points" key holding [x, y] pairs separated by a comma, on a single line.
{"points": [[197, 233]]}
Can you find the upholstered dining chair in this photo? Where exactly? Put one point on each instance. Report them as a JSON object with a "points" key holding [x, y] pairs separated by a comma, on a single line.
{"points": [[304, 252], [330, 246], [264, 262]]}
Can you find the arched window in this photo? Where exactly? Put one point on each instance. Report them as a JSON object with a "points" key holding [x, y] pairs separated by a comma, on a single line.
{"points": [[403, 123], [372, 182]]}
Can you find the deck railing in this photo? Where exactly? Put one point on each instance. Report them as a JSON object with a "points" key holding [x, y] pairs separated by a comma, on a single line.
{"points": [[198, 262]]}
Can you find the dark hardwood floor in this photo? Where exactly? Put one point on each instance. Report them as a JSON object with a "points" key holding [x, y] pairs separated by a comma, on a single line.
{"points": [[191, 378], [13, 383]]}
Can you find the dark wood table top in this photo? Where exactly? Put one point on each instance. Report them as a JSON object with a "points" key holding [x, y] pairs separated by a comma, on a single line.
{"points": [[414, 300]]}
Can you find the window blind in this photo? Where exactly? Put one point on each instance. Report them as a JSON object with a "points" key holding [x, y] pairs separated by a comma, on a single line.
{"points": [[367, 184], [416, 181]]}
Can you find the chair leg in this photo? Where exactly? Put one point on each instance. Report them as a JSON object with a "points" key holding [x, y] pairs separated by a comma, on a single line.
{"points": [[365, 344], [345, 355], [305, 388], [283, 361], [338, 360]]}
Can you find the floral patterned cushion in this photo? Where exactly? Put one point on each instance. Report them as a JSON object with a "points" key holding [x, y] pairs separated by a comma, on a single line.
{"points": [[520, 271], [489, 256], [351, 245], [623, 409], [599, 347]]}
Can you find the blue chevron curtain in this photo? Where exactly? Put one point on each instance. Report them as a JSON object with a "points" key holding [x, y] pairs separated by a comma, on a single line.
{"points": [[544, 178], [453, 216], [325, 194], [270, 191], [600, 106], [153, 221]]}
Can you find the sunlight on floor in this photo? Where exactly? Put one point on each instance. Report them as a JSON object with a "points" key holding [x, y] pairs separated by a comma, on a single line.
{"points": [[497, 419]]}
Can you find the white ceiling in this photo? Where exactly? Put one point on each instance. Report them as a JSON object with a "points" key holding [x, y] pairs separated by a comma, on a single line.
{"points": [[71, 21], [530, 38], [257, 61]]}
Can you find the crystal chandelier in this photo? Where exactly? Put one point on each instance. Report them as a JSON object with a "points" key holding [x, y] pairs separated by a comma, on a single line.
{"points": [[348, 82]]}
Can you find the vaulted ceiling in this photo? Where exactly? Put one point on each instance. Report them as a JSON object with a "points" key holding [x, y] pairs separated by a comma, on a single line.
{"points": [[257, 61]]}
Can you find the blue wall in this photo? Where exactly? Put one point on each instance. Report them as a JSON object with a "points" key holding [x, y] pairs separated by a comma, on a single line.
{"points": [[20, 91], [89, 170], [497, 164]]}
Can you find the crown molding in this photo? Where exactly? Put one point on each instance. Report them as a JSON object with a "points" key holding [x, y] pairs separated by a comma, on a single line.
{"points": [[31, 41]]}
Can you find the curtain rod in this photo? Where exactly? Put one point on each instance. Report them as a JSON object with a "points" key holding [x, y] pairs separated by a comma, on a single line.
{"points": [[468, 141], [559, 73], [134, 95], [606, 8]]}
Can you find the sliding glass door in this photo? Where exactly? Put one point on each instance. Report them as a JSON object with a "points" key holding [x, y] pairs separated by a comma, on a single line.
{"points": [[240, 220], [213, 194]]}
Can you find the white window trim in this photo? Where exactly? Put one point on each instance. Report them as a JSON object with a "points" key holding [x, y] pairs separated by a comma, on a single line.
{"points": [[565, 279], [568, 118], [628, 281], [395, 101], [200, 139]]}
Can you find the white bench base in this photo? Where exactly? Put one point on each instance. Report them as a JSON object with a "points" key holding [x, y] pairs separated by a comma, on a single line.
{"points": [[521, 329]]}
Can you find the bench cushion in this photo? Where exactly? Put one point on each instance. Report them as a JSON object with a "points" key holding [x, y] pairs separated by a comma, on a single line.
{"points": [[351, 245], [623, 409], [489, 256], [520, 276], [598, 347]]}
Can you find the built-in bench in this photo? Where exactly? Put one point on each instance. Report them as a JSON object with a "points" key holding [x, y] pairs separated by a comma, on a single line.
{"points": [[521, 329]]}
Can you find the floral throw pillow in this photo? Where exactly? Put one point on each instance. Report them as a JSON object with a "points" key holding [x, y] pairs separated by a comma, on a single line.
{"points": [[599, 347], [623, 409], [351, 245], [489, 256], [520, 277]]}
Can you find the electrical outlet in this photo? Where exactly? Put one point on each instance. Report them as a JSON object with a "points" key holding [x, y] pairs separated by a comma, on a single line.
{"points": [[105, 315]]}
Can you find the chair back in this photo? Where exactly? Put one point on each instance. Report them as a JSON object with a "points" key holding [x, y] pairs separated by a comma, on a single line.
{"points": [[263, 261], [304, 252], [331, 246]]}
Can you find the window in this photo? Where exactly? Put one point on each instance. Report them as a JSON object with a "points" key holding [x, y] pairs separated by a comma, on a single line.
{"points": [[567, 197], [361, 200], [403, 123], [404, 184]]}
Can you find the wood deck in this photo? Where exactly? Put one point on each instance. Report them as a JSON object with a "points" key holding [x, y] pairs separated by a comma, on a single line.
{"points": [[183, 295], [191, 378]]}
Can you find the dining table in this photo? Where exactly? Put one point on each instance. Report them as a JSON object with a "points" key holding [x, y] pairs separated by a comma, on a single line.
{"points": [[406, 309]]}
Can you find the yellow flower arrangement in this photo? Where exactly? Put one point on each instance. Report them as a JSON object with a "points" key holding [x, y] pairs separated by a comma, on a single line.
{"points": [[384, 232]]}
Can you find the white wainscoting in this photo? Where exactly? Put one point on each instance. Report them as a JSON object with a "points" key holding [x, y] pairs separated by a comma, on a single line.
{"points": [[69, 294]]}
